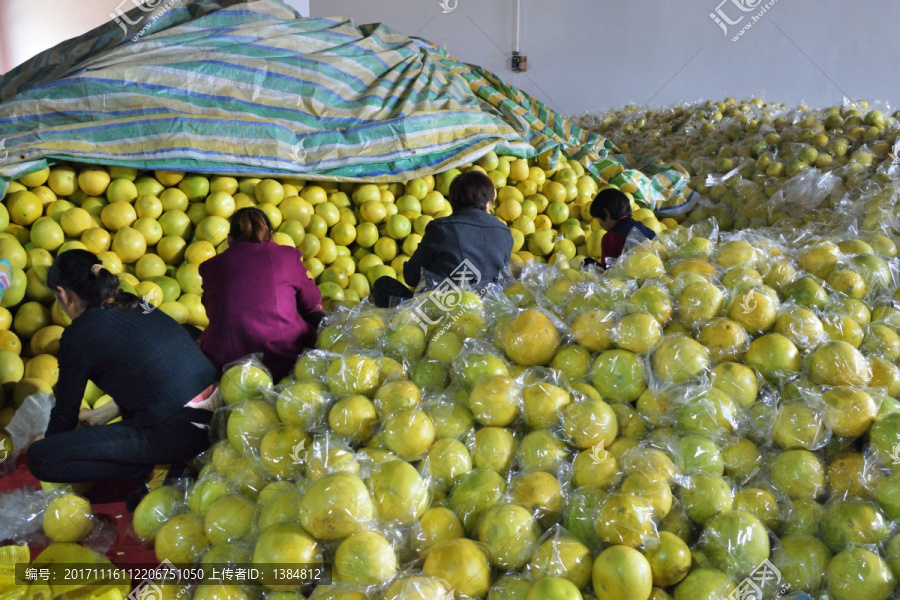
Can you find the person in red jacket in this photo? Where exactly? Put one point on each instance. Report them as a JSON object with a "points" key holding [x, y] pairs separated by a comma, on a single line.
{"points": [[613, 209], [258, 298]]}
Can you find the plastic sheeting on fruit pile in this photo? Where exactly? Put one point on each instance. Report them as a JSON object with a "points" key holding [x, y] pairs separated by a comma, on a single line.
{"points": [[249, 88]]}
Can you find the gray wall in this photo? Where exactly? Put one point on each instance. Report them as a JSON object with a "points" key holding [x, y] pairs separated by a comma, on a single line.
{"points": [[590, 55]]}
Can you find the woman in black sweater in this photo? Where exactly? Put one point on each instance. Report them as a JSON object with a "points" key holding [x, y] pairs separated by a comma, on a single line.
{"points": [[146, 361]]}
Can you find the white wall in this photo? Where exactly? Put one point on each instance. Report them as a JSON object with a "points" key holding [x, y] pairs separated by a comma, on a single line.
{"points": [[28, 27], [589, 55]]}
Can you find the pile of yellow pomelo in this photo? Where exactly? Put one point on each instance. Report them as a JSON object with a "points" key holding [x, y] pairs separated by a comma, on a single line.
{"points": [[661, 430], [740, 154], [155, 228]]}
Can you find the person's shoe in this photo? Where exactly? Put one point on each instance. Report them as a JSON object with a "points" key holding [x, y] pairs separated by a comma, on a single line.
{"points": [[135, 497]]}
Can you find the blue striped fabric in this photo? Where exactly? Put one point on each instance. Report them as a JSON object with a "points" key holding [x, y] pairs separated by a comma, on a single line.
{"points": [[250, 88]]}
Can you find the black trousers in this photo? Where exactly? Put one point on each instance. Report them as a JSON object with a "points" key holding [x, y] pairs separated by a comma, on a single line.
{"points": [[387, 292], [119, 451]]}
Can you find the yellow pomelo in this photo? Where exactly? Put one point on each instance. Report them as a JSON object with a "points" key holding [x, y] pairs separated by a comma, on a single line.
{"points": [[625, 519], [47, 234], [530, 339], [622, 573], [839, 363], [494, 401], [24, 208], [36, 178], [128, 244], [181, 539], [96, 240], [336, 506], [68, 518], [121, 190], [773, 355], [638, 333], [30, 317], [462, 564], [285, 543], [150, 229]]}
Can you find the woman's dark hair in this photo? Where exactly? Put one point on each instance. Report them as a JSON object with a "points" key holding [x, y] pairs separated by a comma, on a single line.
{"points": [[252, 224], [611, 202], [74, 270], [472, 189]]}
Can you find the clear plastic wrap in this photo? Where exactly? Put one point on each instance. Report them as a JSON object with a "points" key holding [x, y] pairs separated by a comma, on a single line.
{"points": [[328, 453], [21, 514], [416, 587], [157, 507], [302, 404], [365, 558], [244, 379], [625, 519], [30, 420]]}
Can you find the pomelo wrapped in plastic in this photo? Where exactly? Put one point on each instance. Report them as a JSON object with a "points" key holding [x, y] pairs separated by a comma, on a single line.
{"points": [[736, 542], [474, 493], [312, 365], [853, 521], [437, 525], [510, 587], [704, 496], [336, 506], [68, 517], [400, 494], [229, 519], [544, 395], [621, 572], [365, 558], [509, 532], [706, 411], [181, 539], [353, 374], [625, 519], [860, 573], [157, 507], [541, 450], [328, 453], [394, 395], [244, 379], [558, 554], [450, 415], [542, 493], [248, 423], [476, 361], [493, 448], [463, 564], [530, 338], [354, 418], [282, 451], [446, 461], [302, 404], [619, 375], [284, 544], [416, 587]]}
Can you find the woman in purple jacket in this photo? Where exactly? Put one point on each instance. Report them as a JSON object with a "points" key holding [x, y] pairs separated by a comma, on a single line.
{"points": [[259, 298]]}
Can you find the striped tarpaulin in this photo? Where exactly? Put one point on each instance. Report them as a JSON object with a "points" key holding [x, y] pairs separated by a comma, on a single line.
{"points": [[250, 88]]}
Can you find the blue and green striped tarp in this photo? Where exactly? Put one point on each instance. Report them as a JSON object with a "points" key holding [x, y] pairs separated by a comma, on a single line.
{"points": [[250, 88]]}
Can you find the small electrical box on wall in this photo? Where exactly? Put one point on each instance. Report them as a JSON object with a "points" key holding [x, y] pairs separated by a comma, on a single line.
{"points": [[519, 62]]}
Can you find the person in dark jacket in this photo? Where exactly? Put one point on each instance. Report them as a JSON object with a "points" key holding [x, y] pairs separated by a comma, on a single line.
{"points": [[613, 209], [471, 244], [259, 298], [146, 361]]}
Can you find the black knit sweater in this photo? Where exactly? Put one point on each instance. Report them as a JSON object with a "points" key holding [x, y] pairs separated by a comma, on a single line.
{"points": [[148, 363]]}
